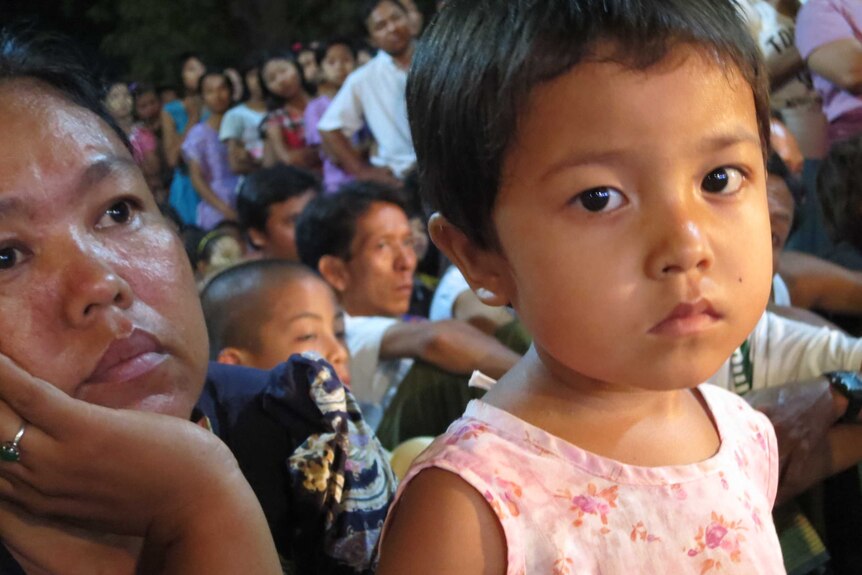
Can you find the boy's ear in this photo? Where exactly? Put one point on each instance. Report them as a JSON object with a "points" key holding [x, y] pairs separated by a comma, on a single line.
{"points": [[257, 238], [233, 356], [334, 271], [484, 269]]}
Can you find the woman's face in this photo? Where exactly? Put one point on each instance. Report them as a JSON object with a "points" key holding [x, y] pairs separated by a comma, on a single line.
{"points": [[147, 106], [94, 285], [216, 93], [282, 78], [192, 71], [338, 64], [119, 101]]}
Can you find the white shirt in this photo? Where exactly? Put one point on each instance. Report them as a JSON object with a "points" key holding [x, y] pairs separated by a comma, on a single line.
{"points": [[242, 123], [375, 94], [372, 381], [451, 285], [782, 350]]}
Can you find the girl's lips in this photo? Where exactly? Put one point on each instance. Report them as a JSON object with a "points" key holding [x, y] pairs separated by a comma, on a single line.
{"points": [[128, 358], [687, 319]]}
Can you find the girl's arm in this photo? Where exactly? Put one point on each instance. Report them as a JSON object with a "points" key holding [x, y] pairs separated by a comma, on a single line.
{"points": [[171, 140], [305, 157], [442, 526], [132, 473], [241, 162], [206, 193]]}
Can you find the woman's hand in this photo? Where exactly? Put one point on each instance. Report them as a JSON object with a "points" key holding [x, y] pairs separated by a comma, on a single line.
{"points": [[132, 473]]}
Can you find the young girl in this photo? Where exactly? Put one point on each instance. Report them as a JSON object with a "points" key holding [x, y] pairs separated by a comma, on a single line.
{"points": [[240, 129], [206, 155], [337, 60], [178, 117], [284, 86], [598, 165]]}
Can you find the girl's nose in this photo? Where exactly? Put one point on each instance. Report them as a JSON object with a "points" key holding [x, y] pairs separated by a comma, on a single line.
{"points": [[681, 245]]}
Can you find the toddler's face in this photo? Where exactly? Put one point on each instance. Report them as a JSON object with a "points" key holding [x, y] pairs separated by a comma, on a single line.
{"points": [[633, 221]]}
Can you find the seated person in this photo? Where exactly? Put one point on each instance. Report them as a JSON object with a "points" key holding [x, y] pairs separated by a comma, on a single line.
{"points": [[453, 298], [360, 242], [259, 313], [269, 202]]}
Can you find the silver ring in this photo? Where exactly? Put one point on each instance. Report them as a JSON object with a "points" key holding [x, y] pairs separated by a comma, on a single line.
{"points": [[10, 450]]}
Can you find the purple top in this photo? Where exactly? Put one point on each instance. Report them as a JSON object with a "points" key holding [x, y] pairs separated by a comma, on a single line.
{"points": [[822, 22], [333, 176], [203, 147]]}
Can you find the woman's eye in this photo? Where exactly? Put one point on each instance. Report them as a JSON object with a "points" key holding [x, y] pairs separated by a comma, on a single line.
{"points": [[9, 257], [118, 213], [723, 181], [600, 199]]}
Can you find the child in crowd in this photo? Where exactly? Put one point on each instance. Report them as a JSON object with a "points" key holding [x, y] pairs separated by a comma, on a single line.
{"points": [[240, 129], [206, 155], [336, 60], [269, 203], [258, 314], [286, 92], [598, 165]]}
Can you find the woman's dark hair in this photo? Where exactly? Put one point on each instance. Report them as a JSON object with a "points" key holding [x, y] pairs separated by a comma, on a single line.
{"points": [[839, 185], [274, 102], [55, 62], [322, 49], [479, 60], [181, 63], [215, 72], [327, 225]]}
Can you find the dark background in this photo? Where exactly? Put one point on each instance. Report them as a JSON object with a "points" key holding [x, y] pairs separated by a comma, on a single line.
{"points": [[141, 39]]}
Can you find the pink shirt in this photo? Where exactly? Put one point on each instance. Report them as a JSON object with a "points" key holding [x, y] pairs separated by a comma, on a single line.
{"points": [[822, 22], [564, 510]]}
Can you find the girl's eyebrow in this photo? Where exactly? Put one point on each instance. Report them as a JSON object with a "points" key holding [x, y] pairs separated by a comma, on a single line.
{"points": [[729, 138]]}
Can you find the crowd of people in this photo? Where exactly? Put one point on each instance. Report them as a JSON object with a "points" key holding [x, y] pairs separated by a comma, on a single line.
{"points": [[236, 348]]}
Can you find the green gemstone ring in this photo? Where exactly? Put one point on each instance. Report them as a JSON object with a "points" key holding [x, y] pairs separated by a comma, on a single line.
{"points": [[9, 450]]}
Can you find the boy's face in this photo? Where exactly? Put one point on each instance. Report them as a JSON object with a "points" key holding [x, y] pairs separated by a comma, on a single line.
{"points": [[377, 280], [279, 239], [633, 222], [303, 317], [781, 209]]}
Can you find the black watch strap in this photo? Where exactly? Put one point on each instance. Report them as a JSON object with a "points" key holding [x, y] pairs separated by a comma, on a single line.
{"points": [[848, 384]]}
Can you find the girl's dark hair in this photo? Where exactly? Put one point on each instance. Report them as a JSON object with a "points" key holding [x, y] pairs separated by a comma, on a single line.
{"points": [[839, 185], [464, 113], [181, 62], [215, 72], [274, 102], [54, 62], [322, 49]]}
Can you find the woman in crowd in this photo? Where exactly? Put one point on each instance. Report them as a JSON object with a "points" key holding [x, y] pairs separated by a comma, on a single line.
{"points": [[177, 118], [207, 157], [287, 97], [101, 299]]}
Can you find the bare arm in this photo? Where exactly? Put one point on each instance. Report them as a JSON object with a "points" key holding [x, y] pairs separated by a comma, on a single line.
{"points": [[470, 309], [241, 162], [351, 161], [206, 193], [811, 446], [172, 140], [815, 283], [443, 526], [452, 345], [305, 157], [840, 62]]}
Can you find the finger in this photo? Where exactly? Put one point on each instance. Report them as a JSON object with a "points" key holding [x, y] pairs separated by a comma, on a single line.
{"points": [[33, 399]]}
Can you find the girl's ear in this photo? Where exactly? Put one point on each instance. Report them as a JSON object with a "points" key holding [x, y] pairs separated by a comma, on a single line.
{"points": [[484, 269], [334, 271]]}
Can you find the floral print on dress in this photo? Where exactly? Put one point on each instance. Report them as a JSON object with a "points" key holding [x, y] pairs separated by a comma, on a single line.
{"points": [[718, 540], [593, 502]]}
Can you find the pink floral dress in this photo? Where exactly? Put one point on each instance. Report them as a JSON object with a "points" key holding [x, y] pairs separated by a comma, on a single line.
{"points": [[564, 510]]}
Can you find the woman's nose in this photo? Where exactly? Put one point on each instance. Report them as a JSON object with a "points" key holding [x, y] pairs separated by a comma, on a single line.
{"points": [[93, 286]]}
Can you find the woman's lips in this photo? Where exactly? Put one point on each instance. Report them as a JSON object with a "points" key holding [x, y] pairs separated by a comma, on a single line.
{"points": [[687, 319], [128, 358]]}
